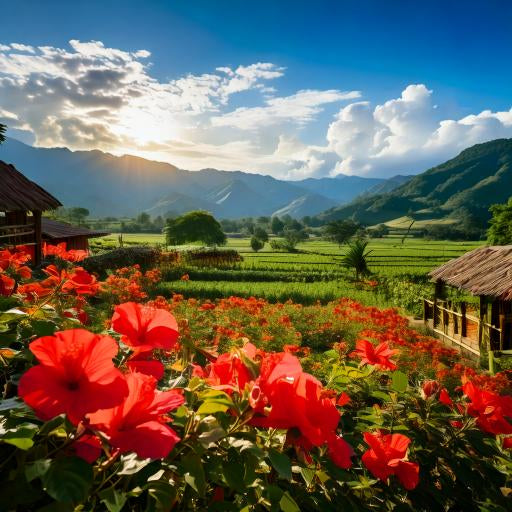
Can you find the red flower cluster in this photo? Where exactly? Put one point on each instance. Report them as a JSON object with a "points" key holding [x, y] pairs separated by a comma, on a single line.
{"points": [[386, 457], [13, 269], [129, 283], [76, 376], [283, 396], [490, 409], [77, 281], [60, 251]]}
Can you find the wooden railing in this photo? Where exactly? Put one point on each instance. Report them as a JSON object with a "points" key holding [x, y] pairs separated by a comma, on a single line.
{"points": [[17, 234], [471, 332]]}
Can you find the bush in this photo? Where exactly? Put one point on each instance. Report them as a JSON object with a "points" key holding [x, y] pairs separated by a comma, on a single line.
{"points": [[143, 256], [212, 257], [256, 244]]}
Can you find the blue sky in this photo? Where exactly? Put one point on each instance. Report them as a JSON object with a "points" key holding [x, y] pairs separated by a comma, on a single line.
{"points": [[455, 56]]}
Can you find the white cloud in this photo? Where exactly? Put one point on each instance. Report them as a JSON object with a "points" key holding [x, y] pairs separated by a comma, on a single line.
{"points": [[22, 47], [90, 96], [301, 108], [407, 134]]}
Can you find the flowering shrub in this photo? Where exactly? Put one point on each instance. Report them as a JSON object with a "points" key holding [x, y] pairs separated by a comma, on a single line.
{"points": [[184, 405]]}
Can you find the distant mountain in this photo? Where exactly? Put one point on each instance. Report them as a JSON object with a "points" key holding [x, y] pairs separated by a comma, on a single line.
{"points": [[469, 183], [387, 185], [301, 206], [342, 188], [109, 185]]}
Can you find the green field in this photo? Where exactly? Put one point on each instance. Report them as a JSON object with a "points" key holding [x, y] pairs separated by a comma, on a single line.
{"points": [[314, 273]]}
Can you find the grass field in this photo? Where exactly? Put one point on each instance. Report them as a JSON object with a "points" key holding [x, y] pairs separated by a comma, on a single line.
{"points": [[314, 273]]}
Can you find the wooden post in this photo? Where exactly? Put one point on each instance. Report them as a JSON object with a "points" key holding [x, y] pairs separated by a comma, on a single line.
{"points": [[38, 249], [502, 330], [437, 292], [463, 320]]}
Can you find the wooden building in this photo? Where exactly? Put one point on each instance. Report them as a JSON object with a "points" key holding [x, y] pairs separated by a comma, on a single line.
{"points": [[76, 237], [22, 203], [485, 323]]}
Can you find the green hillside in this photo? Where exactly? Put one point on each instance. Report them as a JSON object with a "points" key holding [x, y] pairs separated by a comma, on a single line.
{"points": [[467, 184]]}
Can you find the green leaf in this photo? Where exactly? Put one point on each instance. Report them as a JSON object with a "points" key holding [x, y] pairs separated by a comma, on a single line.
{"points": [[214, 401], [194, 473], [68, 480], [399, 381], [37, 469], [43, 327], [163, 493], [308, 475], [11, 403], [288, 504], [112, 499], [281, 463], [21, 436]]}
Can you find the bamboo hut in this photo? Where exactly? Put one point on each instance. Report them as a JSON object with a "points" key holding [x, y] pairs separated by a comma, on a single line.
{"points": [[22, 203], [485, 273]]}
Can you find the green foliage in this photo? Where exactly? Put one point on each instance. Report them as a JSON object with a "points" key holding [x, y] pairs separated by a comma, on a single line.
{"points": [[476, 178], [356, 257], [197, 226], [276, 225], [260, 233], [341, 231], [256, 243], [500, 225]]}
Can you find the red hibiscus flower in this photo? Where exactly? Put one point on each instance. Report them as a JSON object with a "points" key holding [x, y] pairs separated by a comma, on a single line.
{"points": [[378, 356], [7, 285], [145, 328], [81, 282], [139, 424], [429, 388], [288, 398], [75, 376], [490, 409], [228, 373], [386, 457]]}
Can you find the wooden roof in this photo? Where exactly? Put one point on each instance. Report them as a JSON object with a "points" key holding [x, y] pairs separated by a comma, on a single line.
{"points": [[484, 271], [18, 193], [57, 230]]}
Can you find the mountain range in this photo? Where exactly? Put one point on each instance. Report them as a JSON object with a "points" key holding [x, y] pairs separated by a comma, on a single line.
{"points": [[109, 185], [463, 186]]}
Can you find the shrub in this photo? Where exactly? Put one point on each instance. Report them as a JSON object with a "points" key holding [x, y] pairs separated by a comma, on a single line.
{"points": [[126, 256]]}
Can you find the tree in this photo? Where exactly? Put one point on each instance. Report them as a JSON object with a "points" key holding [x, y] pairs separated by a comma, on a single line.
{"points": [[143, 218], [78, 214], [256, 244], [276, 225], [341, 231], [356, 257], [500, 225], [260, 233], [2, 132], [196, 226]]}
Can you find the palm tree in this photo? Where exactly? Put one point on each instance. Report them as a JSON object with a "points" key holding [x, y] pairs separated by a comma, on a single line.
{"points": [[2, 132], [356, 257]]}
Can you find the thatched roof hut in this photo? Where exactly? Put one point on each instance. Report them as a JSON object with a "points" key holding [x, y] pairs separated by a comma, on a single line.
{"points": [[18, 193], [76, 237], [21, 205], [486, 271]]}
